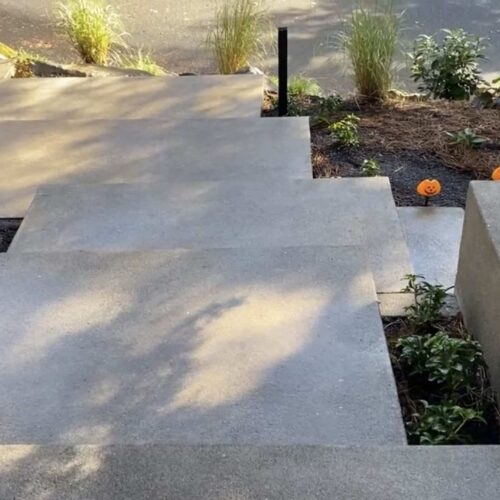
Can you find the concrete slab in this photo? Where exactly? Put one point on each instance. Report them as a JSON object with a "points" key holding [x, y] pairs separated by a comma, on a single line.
{"points": [[216, 96], [246, 346], [247, 473], [103, 151], [478, 277], [334, 212], [433, 235]]}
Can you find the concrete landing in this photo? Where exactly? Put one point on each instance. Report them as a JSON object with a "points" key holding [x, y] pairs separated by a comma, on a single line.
{"points": [[184, 97], [335, 212], [246, 473], [103, 151], [246, 346], [433, 235]]}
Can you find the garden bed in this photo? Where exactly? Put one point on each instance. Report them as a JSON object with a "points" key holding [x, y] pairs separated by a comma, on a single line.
{"points": [[441, 376], [408, 139]]}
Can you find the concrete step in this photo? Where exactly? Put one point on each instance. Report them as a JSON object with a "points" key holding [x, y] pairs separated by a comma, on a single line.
{"points": [[135, 472], [433, 235], [333, 212], [103, 151], [214, 96], [244, 346]]}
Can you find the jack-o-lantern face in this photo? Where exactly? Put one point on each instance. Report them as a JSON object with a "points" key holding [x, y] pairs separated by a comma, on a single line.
{"points": [[429, 187], [496, 174]]}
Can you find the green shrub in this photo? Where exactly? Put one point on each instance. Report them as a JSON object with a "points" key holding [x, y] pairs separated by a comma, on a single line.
{"points": [[466, 139], [429, 301], [370, 42], [370, 168], [92, 26], [345, 131], [441, 424], [239, 36], [448, 69], [452, 362], [142, 61]]}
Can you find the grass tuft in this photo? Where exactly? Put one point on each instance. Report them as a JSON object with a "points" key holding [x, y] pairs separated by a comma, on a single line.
{"points": [[370, 42], [140, 60], [242, 28], [93, 27]]}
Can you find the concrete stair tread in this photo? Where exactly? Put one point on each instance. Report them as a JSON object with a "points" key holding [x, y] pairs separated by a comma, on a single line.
{"points": [[101, 151], [211, 96], [335, 212], [242, 346], [433, 235], [247, 472]]}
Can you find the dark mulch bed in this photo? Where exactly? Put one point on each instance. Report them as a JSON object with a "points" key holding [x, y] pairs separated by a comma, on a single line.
{"points": [[408, 139], [8, 229], [412, 388]]}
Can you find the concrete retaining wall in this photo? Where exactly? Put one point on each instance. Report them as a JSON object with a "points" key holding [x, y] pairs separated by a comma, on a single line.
{"points": [[478, 278]]}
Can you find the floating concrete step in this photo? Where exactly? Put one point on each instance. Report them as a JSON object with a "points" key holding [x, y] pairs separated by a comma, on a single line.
{"points": [[234, 214], [103, 151], [433, 235], [241, 346], [215, 96], [247, 472]]}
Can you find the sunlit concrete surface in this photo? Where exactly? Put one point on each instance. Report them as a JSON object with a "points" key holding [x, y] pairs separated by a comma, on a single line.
{"points": [[122, 217], [246, 346], [102, 151], [433, 235], [235, 96], [176, 31]]}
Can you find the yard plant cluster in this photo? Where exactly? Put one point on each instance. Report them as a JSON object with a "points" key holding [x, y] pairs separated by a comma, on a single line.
{"points": [[441, 374]]}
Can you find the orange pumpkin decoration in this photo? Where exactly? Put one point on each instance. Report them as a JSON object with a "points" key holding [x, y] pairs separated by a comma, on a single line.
{"points": [[429, 187], [496, 174]]}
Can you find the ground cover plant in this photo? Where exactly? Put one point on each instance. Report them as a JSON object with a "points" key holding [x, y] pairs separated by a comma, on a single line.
{"points": [[442, 378], [240, 35]]}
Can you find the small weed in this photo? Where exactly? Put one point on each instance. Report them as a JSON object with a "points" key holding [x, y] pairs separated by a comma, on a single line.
{"points": [[345, 131], [429, 301], [441, 424], [466, 138], [370, 168], [142, 61]]}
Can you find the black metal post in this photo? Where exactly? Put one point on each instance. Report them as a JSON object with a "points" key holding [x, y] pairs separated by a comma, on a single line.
{"points": [[283, 71]]}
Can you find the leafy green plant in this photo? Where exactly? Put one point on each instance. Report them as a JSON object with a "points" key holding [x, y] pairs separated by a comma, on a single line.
{"points": [[370, 168], [345, 131], [452, 362], [441, 424], [429, 300], [140, 60], [93, 27], [370, 43], [448, 69], [242, 28], [466, 138]]}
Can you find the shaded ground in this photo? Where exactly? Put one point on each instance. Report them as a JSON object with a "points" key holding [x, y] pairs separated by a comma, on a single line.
{"points": [[8, 229], [409, 141]]}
